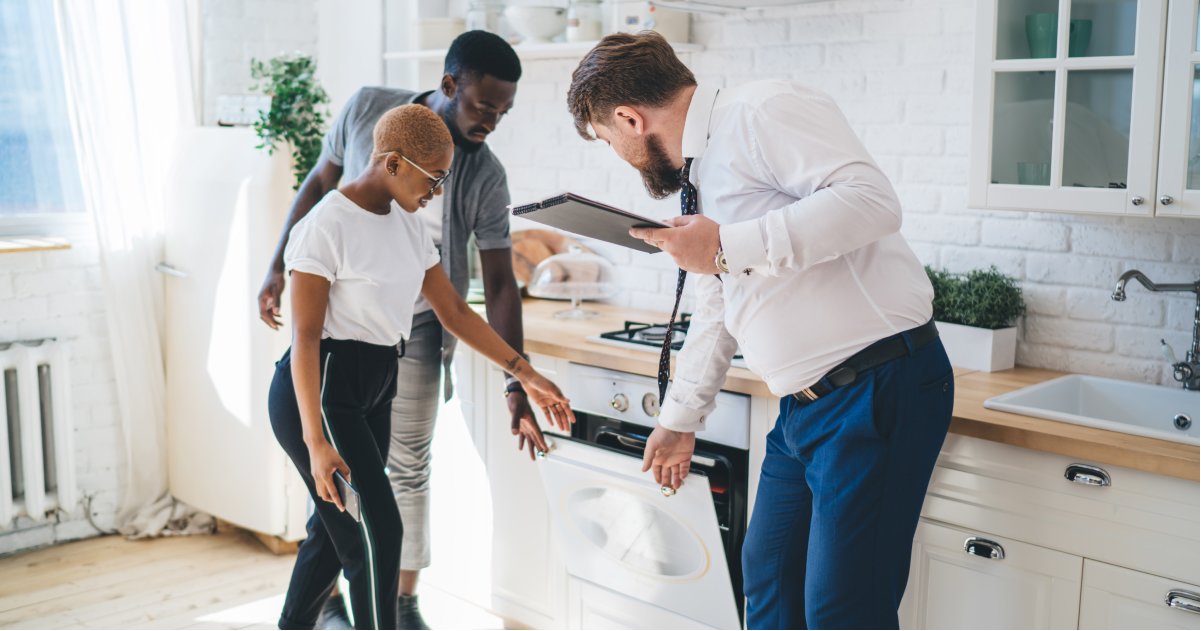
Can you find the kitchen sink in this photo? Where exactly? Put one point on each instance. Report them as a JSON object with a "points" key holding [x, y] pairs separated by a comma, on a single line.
{"points": [[1121, 406]]}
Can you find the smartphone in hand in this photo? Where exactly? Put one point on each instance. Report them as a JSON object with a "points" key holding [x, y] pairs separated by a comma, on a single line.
{"points": [[349, 496]]}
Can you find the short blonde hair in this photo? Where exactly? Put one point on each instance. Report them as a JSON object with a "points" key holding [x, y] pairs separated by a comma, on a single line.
{"points": [[413, 130]]}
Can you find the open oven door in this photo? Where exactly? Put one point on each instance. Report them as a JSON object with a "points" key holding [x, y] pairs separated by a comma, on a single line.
{"points": [[619, 531]]}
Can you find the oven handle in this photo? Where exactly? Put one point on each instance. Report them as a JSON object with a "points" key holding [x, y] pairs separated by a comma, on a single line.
{"points": [[636, 441]]}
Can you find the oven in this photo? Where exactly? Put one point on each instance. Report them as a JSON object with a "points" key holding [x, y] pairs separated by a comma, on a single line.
{"points": [[680, 552]]}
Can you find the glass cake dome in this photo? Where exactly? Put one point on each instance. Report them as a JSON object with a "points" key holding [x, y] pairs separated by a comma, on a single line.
{"points": [[575, 275]]}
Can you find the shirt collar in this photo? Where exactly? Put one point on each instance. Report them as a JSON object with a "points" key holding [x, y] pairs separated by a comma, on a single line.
{"points": [[696, 122], [419, 97]]}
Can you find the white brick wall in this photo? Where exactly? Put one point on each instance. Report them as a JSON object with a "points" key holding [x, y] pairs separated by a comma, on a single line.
{"points": [[58, 294], [901, 70], [236, 31]]}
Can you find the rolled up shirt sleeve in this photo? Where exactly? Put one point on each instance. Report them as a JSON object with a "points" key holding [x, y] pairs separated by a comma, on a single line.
{"points": [[843, 200], [702, 363], [312, 249]]}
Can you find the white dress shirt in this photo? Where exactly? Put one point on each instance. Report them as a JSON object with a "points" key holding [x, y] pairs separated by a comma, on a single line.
{"points": [[810, 229]]}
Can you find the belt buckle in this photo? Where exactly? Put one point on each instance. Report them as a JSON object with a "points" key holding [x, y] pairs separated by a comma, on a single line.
{"points": [[808, 394]]}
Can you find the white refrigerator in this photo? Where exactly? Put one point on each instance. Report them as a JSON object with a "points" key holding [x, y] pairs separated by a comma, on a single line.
{"points": [[228, 203]]}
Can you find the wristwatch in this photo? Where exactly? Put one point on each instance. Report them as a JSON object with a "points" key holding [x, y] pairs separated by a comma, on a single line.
{"points": [[512, 385], [720, 261]]}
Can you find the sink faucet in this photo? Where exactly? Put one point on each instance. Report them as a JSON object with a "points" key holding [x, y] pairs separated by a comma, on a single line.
{"points": [[1186, 372]]}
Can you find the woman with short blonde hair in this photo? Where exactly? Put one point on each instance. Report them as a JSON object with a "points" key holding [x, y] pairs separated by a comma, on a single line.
{"points": [[358, 264]]}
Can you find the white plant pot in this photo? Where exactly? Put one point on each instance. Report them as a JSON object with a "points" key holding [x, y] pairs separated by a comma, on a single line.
{"points": [[986, 350]]}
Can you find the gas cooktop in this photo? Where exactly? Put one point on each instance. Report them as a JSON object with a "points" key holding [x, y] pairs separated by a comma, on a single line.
{"points": [[647, 336]]}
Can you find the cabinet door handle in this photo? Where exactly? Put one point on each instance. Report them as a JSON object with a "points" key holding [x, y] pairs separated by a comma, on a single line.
{"points": [[1087, 474], [1166, 200], [984, 548], [1137, 200], [1182, 599]]}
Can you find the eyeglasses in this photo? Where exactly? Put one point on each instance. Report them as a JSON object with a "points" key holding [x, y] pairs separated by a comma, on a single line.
{"points": [[438, 180]]}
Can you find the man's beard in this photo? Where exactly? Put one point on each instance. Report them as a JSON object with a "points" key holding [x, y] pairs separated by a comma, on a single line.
{"points": [[658, 175], [461, 141]]}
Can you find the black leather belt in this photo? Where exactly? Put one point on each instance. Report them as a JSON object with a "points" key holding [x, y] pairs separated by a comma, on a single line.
{"points": [[885, 350]]}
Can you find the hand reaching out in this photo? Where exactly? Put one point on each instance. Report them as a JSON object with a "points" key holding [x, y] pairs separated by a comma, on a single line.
{"points": [[546, 395], [524, 426], [668, 456]]}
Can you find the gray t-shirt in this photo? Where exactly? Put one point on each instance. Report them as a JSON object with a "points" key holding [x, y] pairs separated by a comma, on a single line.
{"points": [[476, 194]]}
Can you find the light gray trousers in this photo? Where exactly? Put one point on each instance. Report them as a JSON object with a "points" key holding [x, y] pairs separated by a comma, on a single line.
{"points": [[414, 411]]}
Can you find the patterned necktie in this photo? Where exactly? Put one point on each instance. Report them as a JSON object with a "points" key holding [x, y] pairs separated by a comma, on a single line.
{"points": [[687, 207]]}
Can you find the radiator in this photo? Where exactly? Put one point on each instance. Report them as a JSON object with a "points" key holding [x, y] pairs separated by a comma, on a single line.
{"points": [[37, 459]]}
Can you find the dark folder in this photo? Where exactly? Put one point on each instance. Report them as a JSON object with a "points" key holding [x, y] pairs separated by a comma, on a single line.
{"points": [[588, 218]]}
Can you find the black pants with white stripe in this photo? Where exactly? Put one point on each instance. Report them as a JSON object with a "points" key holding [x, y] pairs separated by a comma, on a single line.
{"points": [[358, 382]]}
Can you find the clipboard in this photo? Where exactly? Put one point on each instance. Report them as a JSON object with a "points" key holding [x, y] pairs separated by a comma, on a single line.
{"points": [[588, 218]]}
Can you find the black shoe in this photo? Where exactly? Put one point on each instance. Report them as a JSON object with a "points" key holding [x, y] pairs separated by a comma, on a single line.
{"points": [[333, 614], [408, 616]]}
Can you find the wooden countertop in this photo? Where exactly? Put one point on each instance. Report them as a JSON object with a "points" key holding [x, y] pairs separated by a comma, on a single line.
{"points": [[568, 339]]}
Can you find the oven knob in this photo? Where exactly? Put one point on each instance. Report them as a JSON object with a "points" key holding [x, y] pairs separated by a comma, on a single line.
{"points": [[620, 402], [650, 404]]}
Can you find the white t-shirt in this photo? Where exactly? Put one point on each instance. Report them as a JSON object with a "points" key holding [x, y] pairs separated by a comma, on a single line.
{"points": [[431, 218], [375, 265]]}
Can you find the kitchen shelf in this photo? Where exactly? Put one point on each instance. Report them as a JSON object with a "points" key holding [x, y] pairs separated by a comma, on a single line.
{"points": [[556, 50]]}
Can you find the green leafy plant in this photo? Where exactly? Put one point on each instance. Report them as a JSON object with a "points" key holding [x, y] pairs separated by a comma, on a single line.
{"points": [[296, 116], [986, 299]]}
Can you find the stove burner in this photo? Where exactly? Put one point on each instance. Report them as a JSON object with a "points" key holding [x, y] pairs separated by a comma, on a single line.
{"points": [[651, 334], [657, 333]]}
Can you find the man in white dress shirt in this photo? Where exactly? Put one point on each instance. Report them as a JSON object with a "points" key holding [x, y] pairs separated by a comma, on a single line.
{"points": [[792, 232]]}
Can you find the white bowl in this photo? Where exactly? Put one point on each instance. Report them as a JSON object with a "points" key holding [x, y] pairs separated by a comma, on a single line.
{"points": [[537, 24]]}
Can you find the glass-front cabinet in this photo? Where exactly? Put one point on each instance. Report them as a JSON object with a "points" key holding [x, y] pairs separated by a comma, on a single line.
{"points": [[1179, 160], [1070, 100]]}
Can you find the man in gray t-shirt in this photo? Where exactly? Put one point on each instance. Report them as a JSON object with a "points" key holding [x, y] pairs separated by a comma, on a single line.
{"points": [[477, 90]]}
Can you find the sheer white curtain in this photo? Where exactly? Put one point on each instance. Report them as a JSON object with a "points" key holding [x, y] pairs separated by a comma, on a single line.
{"points": [[126, 68]]}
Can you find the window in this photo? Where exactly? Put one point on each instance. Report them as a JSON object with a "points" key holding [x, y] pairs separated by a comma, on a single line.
{"points": [[38, 175]]}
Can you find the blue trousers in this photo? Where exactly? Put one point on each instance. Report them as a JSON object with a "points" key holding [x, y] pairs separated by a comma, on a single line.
{"points": [[839, 496]]}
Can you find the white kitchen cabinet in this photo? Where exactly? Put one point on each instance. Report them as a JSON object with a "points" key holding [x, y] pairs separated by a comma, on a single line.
{"points": [[1080, 104], [1020, 586], [1114, 597], [1179, 160], [528, 579], [591, 606], [1142, 521]]}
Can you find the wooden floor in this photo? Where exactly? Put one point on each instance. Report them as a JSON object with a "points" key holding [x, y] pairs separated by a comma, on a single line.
{"points": [[224, 581]]}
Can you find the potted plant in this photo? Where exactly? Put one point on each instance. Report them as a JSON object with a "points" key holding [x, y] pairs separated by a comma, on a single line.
{"points": [[976, 314], [296, 116]]}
